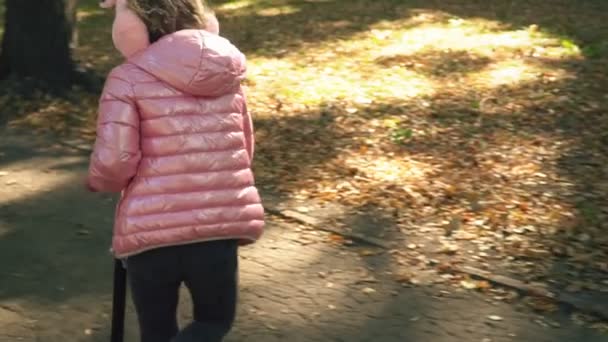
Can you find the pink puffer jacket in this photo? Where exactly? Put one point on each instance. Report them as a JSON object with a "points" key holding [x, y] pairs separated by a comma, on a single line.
{"points": [[175, 137]]}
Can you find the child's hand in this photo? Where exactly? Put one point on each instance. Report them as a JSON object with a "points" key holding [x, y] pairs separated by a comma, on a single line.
{"points": [[88, 186], [107, 3]]}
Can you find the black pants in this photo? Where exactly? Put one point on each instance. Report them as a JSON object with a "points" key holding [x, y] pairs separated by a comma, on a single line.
{"points": [[208, 269]]}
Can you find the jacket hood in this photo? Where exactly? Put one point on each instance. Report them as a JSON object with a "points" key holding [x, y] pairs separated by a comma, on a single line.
{"points": [[196, 62]]}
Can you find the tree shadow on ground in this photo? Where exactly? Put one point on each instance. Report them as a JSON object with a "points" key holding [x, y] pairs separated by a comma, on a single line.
{"points": [[57, 237], [58, 233], [260, 31], [438, 63], [533, 149], [329, 298], [576, 118], [54, 249], [53, 230], [294, 147], [483, 142]]}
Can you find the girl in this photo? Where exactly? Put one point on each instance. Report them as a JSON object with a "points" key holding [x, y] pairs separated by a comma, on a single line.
{"points": [[174, 136]]}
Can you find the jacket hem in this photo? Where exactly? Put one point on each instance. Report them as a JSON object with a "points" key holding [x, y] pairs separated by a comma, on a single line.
{"points": [[146, 249]]}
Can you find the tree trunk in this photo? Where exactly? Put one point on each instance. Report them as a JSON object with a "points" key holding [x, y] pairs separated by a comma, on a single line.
{"points": [[36, 41], [70, 12]]}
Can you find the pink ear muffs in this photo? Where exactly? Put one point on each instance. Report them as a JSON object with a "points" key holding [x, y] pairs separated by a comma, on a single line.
{"points": [[129, 32], [212, 25]]}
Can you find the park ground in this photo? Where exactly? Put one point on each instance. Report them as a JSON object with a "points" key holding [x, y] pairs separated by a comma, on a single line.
{"points": [[399, 142]]}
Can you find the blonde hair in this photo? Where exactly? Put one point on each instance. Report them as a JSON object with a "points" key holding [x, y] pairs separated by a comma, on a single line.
{"points": [[163, 17]]}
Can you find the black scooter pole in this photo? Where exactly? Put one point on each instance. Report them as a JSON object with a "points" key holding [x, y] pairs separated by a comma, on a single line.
{"points": [[119, 297]]}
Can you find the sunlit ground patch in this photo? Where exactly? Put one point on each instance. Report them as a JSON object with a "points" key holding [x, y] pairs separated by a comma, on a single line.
{"points": [[390, 170], [513, 72], [30, 179], [387, 62], [235, 5], [83, 14], [317, 83], [267, 8], [279, 10]]}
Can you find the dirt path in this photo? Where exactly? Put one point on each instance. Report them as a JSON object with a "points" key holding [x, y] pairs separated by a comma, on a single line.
{"points": [[296, 284]]}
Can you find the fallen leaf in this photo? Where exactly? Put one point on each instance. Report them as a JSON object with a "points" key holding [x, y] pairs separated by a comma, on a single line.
{"points": [[270, 326], [602, 327], [449, 248], [369, 279], [553, 324], [484, 285], [453, 226], [584, 237], [461, 235], [368, 290], [576, 287], [404, 278], [337, 238], [468, 284], [445, 267], [368, 252], [536, 253], [541, 322], [541, 304]]}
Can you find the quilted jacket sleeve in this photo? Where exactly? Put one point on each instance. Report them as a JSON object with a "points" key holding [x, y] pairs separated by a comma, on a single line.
{"points": [[116, 154]]}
